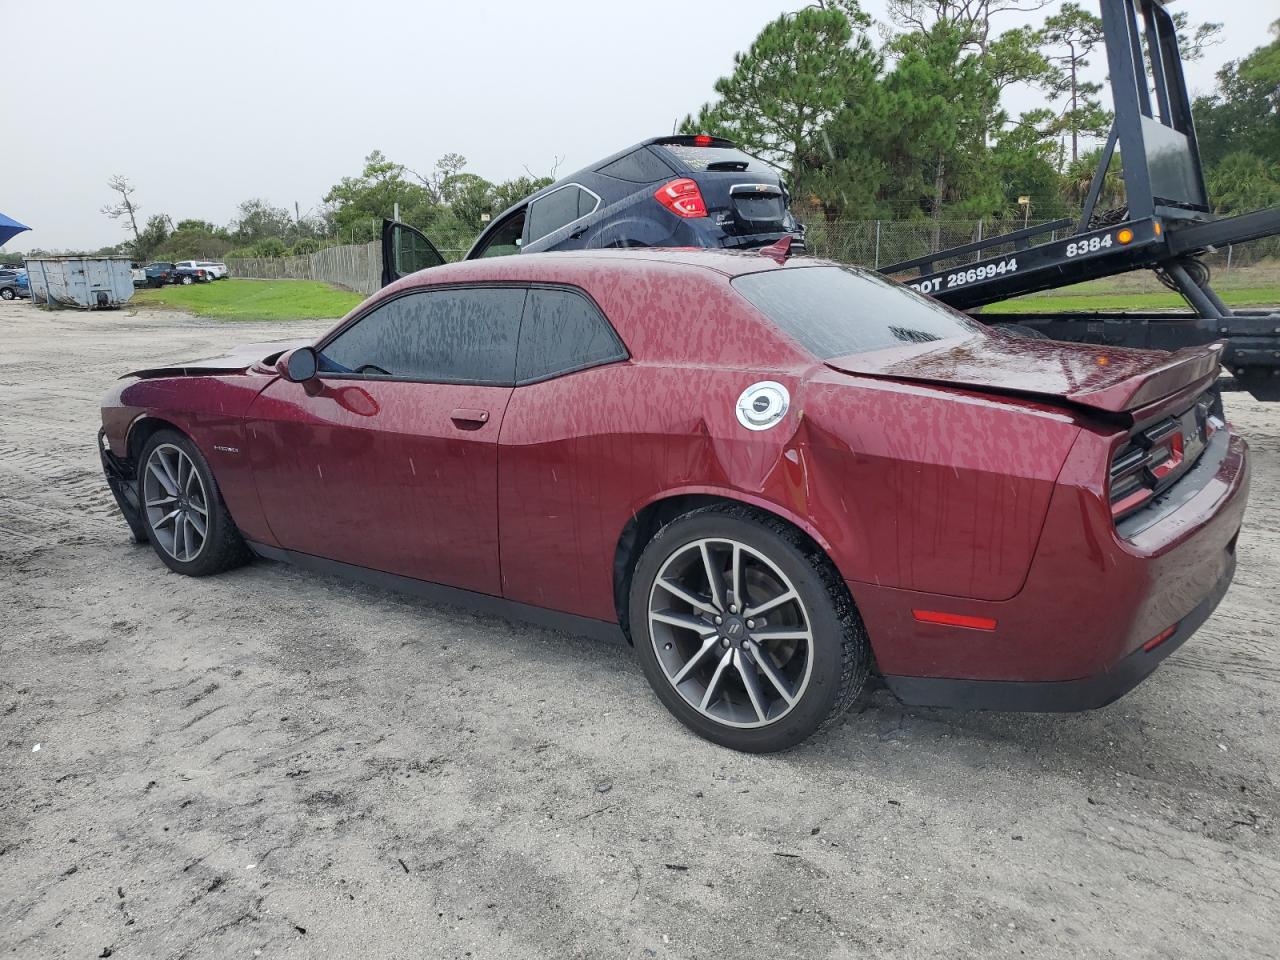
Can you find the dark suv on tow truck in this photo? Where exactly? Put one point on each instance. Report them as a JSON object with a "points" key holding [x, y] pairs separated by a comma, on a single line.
{"points": [[679, 191]]}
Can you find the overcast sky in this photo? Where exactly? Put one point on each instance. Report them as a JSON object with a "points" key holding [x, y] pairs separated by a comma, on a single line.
{"points": [[205, 105]]}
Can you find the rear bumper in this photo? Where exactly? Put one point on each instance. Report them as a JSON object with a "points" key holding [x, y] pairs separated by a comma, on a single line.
{"points": [[1075, 636], [1059, 696]]}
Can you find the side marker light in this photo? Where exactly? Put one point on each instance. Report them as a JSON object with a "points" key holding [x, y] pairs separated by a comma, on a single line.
{"points": [[954, 619]]}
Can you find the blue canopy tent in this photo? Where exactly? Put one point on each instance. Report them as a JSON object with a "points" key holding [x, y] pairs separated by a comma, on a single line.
{"points": [[10, 228]]}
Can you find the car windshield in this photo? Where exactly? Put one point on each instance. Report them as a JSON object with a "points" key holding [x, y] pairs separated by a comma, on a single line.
{"points": [[835, 311]]}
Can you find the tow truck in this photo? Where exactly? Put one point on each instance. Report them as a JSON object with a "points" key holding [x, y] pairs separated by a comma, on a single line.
{"points": [[1166, 226]]}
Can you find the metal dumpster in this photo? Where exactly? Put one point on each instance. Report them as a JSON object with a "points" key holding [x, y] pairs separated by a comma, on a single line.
{"points": [[91, 283]]}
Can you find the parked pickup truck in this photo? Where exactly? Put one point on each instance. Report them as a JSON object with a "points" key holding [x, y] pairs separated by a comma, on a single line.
{"points": [[155, 274], [190, 271], [215, 267]]}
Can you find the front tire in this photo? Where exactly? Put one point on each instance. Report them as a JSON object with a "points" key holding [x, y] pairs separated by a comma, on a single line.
{"points": [[745, 631], [182, 509], [7, 294], [187, 281]]}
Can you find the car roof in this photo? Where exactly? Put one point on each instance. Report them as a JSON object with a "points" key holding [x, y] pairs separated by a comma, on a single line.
{"points": [[566, 265]]}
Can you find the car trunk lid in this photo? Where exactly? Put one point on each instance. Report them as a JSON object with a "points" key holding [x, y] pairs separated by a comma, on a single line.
{"points": [[1101, 378]]}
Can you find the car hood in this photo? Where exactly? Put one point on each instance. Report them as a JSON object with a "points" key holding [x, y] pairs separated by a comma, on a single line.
{"points": [[237, 360], [1112, 379]]}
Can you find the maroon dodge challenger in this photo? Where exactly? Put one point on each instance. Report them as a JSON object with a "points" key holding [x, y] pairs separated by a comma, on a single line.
{"points": [[773, 477]]}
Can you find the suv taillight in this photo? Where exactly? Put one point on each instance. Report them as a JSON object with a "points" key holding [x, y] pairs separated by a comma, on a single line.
{"points": [[682, 197]]}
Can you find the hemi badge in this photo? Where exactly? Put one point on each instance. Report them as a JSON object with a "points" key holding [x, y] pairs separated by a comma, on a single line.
{"points": [[218, 446]]}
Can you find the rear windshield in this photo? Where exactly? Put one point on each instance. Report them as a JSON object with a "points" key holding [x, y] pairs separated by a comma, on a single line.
{"points": [[714, 158], [835, 311]]}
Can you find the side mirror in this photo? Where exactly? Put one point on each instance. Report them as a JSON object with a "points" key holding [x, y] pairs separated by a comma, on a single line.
{"points": [[299, 365]]}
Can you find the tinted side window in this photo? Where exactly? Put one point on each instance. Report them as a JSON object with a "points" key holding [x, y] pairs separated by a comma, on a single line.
{"points": [[638, 166], [563, 331], [466, 334], [557, 209]]}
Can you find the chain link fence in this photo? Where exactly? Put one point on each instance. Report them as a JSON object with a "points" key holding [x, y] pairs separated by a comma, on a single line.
{"points": [[351, 266], [867, 243]]}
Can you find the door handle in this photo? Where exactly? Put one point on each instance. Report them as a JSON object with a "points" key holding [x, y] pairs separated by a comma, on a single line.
{"points": [[469, 419]]}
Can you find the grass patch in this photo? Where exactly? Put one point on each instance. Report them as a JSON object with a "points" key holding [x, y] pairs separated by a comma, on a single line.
{"points": [[254, 299], [1082, 298]]}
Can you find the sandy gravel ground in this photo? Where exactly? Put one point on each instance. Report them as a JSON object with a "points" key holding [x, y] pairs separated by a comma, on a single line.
{"points": [[276, 764]]}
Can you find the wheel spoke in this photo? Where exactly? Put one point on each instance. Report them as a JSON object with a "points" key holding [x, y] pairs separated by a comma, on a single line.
{"points": [[162, 501], [768, 605], [715, 678], [749, 680], [685, 621], [197, 523], [762, 634], [765, 663], [735, 577], [171, 515], [198, 508], [714, 578], [191, 475], [686, 595], [170, 470], [696, 659], [156, 468]]}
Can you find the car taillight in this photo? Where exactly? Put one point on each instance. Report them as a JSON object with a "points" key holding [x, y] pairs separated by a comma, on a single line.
{"points": [[683, 198], [1167, 453], [1155, 457]]}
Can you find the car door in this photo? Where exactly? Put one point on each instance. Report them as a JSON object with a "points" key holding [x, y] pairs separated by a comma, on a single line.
{"points": [[405, 251], [558, 458], [387, 459], [502, 238]]}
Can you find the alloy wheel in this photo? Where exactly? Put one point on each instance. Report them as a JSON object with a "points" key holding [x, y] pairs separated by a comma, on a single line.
{"points": [[176, 502], [731, 632]]}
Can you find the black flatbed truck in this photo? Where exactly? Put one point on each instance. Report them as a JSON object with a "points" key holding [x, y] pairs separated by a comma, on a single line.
{"points": [[1167, 225]]}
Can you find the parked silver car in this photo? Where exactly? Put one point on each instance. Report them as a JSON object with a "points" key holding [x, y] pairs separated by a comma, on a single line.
{"points": [[14, 285]]}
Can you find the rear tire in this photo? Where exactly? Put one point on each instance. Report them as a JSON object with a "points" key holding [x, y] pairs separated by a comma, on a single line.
{"points": [[775, 677], [182, 509], [7, 294], [187, 280]]}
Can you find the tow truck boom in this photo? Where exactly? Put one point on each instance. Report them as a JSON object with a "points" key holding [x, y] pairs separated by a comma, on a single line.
{"points": [[1166, 225]]}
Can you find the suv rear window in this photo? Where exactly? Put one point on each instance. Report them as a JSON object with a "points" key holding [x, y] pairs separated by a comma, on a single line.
{"points": [[835, 311], [714, 158], [638, 166]]}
